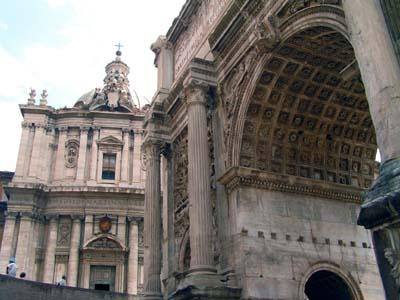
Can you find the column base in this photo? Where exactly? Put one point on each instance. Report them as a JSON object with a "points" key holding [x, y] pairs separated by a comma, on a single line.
{"points": [[381, 204], [204, 286]]}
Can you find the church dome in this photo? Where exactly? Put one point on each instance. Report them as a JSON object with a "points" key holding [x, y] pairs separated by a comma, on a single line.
{"points": [[115, 94]]}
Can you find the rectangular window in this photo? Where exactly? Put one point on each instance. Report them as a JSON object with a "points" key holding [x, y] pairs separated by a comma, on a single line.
{"points": [[108, 172]]}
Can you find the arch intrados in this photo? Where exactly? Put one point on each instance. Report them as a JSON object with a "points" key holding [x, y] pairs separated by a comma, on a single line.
{"points": [[332, 21], [335, 269], [364, 143]]}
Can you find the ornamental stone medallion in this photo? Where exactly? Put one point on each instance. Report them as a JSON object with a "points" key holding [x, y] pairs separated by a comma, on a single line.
{"points": [[105, 224], [71, 153]]}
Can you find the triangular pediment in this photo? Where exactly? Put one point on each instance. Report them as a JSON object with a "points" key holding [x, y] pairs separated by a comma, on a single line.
{"points": [[110, 140]]}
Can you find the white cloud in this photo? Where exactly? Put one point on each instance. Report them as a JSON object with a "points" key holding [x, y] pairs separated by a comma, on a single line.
{"points": [[77, 65]]}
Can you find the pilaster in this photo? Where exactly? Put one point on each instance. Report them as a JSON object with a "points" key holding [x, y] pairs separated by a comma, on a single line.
{"points": [[23, 144], [125, 157], [137, 143], [24, 245], [49, 260], [133, 257], [6, 245], [73, 260], [80, 175], [93, 163], [36, 159], [60, 160]]}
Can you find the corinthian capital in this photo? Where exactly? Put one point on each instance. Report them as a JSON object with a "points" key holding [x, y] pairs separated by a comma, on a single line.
{"points": [[151, 150], [195, 92]]}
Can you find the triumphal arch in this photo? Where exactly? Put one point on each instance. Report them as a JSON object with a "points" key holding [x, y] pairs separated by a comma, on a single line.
{"points": [[260, 148]]}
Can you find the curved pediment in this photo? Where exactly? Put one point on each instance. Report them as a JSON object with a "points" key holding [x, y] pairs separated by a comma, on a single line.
{"points": [[104, 242]]}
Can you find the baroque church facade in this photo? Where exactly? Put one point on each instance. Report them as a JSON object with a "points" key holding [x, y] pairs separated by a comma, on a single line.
{"points": [[76, 199]]}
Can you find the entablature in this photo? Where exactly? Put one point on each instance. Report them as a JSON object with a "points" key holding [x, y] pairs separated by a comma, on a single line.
{"points": [[237, 177]]}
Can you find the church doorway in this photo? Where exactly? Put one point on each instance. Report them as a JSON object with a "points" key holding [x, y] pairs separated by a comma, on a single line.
{"points": [[327, 285], [102, 278]]}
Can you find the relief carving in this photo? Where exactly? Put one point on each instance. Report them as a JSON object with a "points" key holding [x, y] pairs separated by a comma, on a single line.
{"points": [[64, 233], [181, 209], [393, 258], [71, 153]]}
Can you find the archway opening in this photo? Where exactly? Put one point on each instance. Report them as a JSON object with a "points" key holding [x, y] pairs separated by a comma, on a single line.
{"points": [[327, 285], [309, 116]]}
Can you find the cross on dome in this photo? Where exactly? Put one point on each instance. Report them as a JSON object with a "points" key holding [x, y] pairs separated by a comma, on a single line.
{"points": [[119, 49]]}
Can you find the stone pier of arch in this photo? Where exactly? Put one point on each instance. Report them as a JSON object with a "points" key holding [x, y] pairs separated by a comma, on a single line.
{"points": [[267, 119]]}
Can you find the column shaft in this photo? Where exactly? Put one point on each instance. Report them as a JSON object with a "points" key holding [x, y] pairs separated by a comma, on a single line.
{"points": [[73, 261], [152, 223], [80, 174], [125, 158], [48, 274], [379, 70], [200, 210], [133, 258], [6, 244]]}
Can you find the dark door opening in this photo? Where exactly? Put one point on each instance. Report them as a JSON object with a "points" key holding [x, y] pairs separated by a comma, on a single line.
{"points": [[327, 285], [102, 287]]}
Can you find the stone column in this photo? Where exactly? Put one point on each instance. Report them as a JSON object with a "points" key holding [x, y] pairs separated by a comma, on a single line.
{"points": [[60, 160], [23, 144], [88, 227], [380, 72], [93, 163], [24, 244], [80, 174], [36, 156], [51, 243], [125, 157], [6, 244], [133, 256], [200, 210], [73, 260], [122, 228], [152, 222], [137, 143]]}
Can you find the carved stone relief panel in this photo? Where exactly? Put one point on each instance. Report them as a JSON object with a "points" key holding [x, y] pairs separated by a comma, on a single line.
{"points": [[181, 209], [64, 232]]}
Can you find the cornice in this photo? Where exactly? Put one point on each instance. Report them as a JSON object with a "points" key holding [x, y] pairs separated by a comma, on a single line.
{"points": [[237, 177]]}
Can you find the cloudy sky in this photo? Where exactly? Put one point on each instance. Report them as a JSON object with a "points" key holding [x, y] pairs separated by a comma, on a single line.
{"points": [[64, 45]]}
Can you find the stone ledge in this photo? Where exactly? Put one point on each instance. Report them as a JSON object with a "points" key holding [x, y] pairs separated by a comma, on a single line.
{"points": [[18, 289], [237, 177]]}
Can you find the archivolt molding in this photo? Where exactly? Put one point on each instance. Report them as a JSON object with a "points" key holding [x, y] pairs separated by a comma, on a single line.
{"points": [[336, 269]]}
